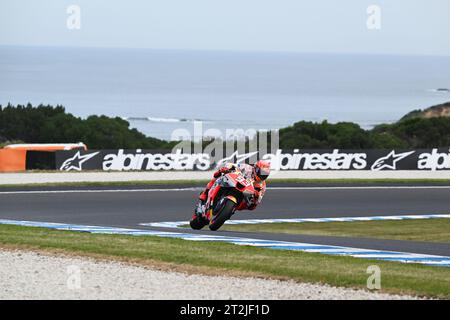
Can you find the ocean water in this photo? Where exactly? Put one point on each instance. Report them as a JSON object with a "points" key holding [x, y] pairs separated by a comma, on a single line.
{"points": [[159, 91]]}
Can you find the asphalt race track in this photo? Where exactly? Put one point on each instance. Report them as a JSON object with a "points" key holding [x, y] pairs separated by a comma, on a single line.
{"points": [[131, 205]]}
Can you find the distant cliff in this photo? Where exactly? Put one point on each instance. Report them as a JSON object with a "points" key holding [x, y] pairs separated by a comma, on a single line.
{"points": [[418, 129], [440, 110]]}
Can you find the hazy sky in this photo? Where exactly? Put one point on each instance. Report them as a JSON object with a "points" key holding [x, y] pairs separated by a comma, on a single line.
{"points": [[407, 26]]}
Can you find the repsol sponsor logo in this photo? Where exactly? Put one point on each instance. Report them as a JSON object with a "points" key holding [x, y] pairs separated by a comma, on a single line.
{"points": [[334, 160], [434, 160], [137, 160]]}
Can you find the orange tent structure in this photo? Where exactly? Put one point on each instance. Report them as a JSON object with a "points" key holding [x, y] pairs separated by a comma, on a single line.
{"points": [[47, 146], [12, 160], [14, 157]]}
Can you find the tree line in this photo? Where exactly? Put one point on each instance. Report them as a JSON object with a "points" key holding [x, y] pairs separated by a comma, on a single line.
{"points": [[409, 133], [48, 124]]}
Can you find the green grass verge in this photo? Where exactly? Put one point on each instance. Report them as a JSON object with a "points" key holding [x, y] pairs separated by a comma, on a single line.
{"points": [[202, 182], [222, 258], [435, 230]]}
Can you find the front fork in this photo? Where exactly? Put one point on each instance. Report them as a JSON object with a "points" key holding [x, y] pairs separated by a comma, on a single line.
{"points": [[211, 196]]}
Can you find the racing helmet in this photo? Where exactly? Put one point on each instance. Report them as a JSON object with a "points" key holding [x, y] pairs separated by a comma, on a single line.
{"points": [[262, 170]]}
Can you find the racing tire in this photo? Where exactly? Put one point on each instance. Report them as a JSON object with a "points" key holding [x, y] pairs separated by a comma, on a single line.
{"points": [[198, 223], [223, 215]]}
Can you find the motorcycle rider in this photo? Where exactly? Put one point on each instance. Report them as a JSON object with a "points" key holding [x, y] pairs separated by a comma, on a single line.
{"points": [[257, 172]]}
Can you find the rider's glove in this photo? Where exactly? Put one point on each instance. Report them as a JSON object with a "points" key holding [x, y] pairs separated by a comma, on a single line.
{"points": [[223, 170], [219, 172]]}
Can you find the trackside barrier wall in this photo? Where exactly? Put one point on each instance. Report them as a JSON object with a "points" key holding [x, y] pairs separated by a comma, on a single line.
{"points": [[283, 160]]}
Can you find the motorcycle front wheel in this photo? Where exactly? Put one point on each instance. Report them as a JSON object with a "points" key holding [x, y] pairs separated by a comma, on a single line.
{"points": [[225, 213]]}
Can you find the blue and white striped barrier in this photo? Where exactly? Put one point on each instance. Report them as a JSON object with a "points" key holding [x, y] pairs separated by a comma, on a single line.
{"points": [[425, 259], [178, 224]]}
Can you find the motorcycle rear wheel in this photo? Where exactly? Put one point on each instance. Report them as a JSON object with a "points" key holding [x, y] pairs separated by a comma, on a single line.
{"points": [[198, 223], [223, 215]]}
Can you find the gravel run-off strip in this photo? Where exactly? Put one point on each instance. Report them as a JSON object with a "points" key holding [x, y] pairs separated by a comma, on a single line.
{"points": [[37, 275]]}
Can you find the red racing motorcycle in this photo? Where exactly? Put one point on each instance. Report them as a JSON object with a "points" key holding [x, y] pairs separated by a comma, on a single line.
{"points": [[230, 192]]}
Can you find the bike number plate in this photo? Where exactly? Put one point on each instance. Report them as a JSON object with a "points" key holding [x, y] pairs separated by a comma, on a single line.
{"points": [[245, 182]]}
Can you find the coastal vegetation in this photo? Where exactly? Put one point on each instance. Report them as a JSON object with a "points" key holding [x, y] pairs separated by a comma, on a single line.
{"points": [[48, 124]]}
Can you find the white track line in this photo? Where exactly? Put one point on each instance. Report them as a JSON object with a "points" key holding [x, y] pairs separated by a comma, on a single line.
{"points": [[200, 188], [359, 187], [178, 224], [97, 191], [433, 260]]}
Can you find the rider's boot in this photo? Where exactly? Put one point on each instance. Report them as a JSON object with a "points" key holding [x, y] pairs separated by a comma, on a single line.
{"points": [[203, 195], [200, 209]]}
